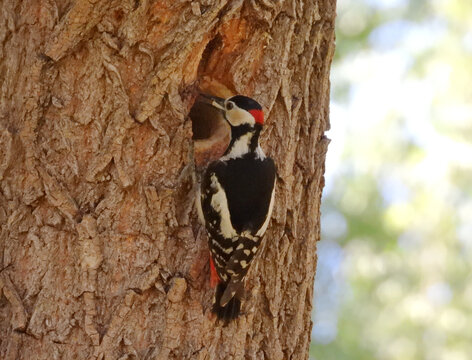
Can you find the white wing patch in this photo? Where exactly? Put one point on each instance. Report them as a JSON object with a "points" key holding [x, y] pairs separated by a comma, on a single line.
{"points": [[248, 235], [217, 244], [264, 226], [219, 202]]}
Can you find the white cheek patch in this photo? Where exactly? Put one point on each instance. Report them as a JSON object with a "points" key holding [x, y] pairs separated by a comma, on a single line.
{"points": [[238, 117], [219, 202]]}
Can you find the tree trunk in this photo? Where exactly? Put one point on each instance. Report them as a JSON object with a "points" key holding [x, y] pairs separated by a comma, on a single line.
{"points": [[102, 255]]}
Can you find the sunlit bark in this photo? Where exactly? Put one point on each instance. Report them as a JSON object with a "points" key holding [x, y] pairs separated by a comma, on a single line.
{"points": [[101, 252]]}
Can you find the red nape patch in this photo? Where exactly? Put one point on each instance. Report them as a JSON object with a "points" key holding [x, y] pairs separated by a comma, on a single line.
{"points": [[258, 116], [214, 278]]}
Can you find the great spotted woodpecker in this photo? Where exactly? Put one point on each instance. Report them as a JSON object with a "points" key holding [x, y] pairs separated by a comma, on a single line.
{"points": [[235, 202]]}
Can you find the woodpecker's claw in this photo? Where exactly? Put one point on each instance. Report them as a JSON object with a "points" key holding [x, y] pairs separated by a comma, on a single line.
{"points": [[214, 101]]}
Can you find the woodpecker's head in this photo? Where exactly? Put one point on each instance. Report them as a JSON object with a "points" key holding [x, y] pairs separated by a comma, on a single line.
{"points": [[238, 110]]}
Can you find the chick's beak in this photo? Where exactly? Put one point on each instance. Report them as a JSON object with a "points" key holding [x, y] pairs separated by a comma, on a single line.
{"points": [[214, 101]]}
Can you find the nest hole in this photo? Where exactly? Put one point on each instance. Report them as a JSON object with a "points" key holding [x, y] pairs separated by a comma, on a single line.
{"points": [[211, 133], [205, 120]]}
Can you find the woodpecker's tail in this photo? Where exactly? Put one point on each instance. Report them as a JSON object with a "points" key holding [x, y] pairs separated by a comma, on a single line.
{"points": [[231, 309]]}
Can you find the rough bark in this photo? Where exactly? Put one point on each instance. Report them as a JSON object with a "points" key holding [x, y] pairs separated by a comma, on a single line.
{"points": [[101, 253]]}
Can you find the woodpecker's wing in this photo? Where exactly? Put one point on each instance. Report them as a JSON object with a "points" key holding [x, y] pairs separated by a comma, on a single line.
{"points": [[217, 221], [248, 184], [220, 253], [237, 199], [238, 265]]}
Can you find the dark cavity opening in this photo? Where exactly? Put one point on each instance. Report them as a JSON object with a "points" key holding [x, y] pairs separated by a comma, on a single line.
{"points": [[205, 120], [211, 133]]}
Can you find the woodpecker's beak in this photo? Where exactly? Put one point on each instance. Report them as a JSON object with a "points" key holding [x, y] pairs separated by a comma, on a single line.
{"points": [[214, 101]]}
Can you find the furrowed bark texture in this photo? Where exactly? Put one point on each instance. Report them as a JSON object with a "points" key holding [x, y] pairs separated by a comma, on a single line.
{"points": [[101, 253]]}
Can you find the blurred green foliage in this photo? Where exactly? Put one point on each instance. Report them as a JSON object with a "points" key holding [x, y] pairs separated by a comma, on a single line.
{"points": [[395, 260]]}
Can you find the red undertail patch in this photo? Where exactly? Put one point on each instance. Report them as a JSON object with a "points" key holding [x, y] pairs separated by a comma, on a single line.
{"points": [[214, 278]]}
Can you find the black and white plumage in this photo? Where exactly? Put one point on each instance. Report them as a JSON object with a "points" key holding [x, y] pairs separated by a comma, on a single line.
{"points": [[236, 201]]}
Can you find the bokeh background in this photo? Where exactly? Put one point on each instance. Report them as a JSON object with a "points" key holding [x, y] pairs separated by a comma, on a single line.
{"points": [[394, 277]]}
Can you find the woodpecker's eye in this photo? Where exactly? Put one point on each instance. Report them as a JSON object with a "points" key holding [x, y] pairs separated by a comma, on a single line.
{"points": [[229, 105]]}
